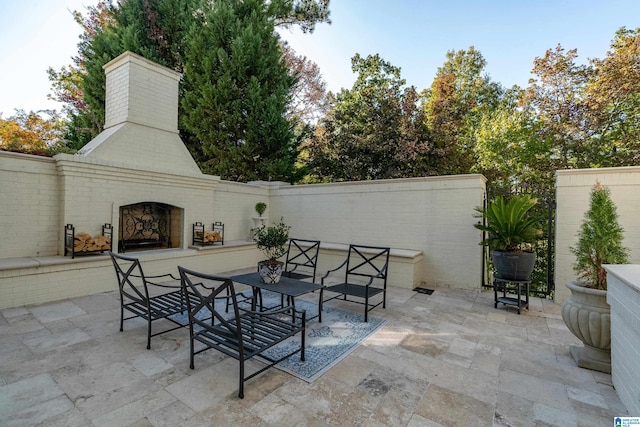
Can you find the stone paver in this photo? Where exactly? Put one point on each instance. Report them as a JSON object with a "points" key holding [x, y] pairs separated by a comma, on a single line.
{"points": [[446, 359]]}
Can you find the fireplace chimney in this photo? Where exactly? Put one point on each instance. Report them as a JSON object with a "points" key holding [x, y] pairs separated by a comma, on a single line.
{"points": [[141, 118]]}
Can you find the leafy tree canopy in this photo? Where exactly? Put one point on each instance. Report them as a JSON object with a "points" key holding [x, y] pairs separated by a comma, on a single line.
{"points": [[158, 30], [373, 130], [459, 95], [32, 133]]}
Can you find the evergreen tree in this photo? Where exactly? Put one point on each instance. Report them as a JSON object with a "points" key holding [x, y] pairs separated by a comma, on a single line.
{"points": [[153, 29], [599, 240], [236, 92]]}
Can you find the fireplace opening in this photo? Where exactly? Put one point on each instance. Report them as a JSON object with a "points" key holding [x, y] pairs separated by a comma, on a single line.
{"points": [[149, 225]]}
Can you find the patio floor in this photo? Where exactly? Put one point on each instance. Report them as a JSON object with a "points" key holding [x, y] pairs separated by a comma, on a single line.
{"points": [[446, 359]]}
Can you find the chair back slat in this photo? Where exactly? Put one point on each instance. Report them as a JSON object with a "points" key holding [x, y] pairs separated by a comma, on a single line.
{"points": [[202, 291], [131, 280], [367, 261], [302, 253]]}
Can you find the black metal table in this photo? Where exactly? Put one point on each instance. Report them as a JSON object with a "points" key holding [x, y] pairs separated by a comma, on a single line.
{"points": [[502, 285], [287, 286]]}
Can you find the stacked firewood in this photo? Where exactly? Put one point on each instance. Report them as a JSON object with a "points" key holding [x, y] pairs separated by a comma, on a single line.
{"points": [[212, 236], [84, 242]]}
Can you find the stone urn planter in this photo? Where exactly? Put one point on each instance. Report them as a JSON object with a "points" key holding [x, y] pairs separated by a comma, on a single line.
{"points": [[588, 316]]}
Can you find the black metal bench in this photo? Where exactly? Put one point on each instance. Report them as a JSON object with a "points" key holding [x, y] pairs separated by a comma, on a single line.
{"points": [[365, 276], [243, 334], [162, 302]]}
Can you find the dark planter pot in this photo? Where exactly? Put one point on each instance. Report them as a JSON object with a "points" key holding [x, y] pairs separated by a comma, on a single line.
{"points": [[514, 265]]}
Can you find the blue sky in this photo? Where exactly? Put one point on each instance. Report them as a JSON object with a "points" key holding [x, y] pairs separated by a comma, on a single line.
{"points": [[414, 35]]}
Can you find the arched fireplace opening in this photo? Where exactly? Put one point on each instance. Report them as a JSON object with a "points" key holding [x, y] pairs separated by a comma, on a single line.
{"points": [[149, 225]]}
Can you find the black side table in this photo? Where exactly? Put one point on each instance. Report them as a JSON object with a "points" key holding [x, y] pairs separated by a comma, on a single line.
{"points": [[504, 285]]}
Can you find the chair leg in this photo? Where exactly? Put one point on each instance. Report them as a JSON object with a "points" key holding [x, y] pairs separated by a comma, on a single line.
{"points": [[191, 365], [241, 387], [149, 335], [366, 308], [304, 333], [121, 316]]}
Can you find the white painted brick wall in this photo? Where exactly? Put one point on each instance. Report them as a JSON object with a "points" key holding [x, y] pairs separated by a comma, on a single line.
{"points": [[573, 189], [433, 215], [95, 191], [234, 205], [29, 206], [86, 276], [623, 296]]}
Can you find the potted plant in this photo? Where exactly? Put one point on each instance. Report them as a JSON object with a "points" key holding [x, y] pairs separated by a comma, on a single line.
{"points": [[272, 242], [260, 208], [586, 312], [259, 220], [511, 232]]}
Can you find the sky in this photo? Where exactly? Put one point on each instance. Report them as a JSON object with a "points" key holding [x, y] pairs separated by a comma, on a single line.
{"points": [[414, 35]]}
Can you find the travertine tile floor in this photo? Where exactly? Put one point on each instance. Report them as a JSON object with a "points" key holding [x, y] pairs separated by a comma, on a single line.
{"points": [[447, 359]]}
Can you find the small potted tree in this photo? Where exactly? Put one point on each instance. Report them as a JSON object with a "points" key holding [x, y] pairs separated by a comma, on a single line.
{"points": [[259, 220], [586, 312], [511, 232], [260, 208], [272, 241]]}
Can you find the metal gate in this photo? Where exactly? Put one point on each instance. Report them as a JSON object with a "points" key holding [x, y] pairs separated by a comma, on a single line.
{"points": [[542, 281]]}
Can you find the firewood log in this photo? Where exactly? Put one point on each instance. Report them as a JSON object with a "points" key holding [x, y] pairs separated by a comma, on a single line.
{"points": [[83, 237]]}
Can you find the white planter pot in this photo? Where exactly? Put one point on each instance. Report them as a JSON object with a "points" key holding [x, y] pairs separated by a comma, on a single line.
{"points": [[260, 220], [270, 272], [257, 222]]}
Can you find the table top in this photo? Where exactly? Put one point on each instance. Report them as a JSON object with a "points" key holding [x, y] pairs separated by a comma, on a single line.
{"points": [[287, 286]]}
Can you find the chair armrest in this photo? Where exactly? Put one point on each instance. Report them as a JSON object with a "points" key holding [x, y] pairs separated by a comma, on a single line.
{"points": [[371, 278], [331, 271], [149, 282]]}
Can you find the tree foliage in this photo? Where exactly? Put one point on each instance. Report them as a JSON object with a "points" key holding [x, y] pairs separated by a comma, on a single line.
{"points": [[309, 100], [509, 150], [373, 130], [599, 240], [68, 83], [613, 100], [157, 30], [305, 14], [570, 115], [460, 94], [237, 89], [32, 133], [556, 94]]}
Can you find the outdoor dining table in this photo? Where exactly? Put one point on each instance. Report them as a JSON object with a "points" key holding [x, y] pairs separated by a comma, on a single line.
{"points": [[289, 287]]}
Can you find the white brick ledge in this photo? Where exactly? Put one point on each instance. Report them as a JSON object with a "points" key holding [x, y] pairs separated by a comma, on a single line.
{"points": [[623, 295]]}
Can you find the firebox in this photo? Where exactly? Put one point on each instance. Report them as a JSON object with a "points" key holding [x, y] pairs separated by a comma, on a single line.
{"points": [[149, 225]]}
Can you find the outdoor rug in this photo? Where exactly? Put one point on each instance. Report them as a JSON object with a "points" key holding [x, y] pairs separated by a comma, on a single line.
{"points": [[327, 343]]}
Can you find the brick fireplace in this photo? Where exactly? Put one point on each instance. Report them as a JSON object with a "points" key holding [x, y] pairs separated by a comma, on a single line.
{"points": [[137, 174]]}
